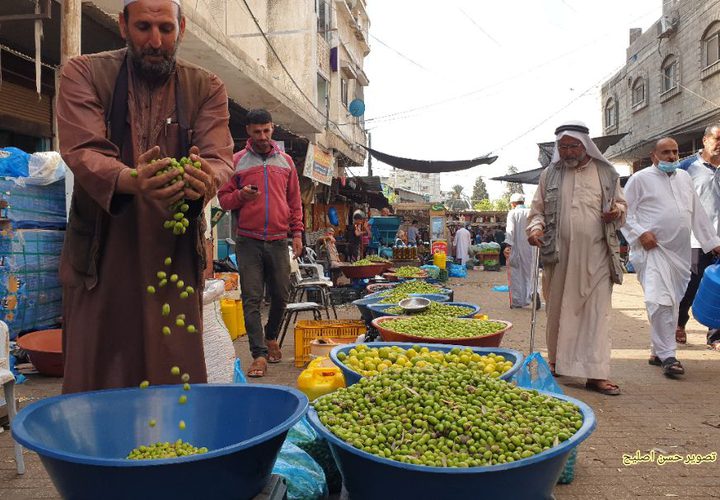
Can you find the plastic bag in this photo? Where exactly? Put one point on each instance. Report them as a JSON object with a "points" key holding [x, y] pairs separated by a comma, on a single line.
{"points": [[238, 375], [43, 169], [457, 271], [535, 374], [305, 478], [432, 270], [217, 346], [13, 162], [305, 437]]}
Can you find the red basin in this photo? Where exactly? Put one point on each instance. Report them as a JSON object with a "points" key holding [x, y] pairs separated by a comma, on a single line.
{"points": [[44, 348]]}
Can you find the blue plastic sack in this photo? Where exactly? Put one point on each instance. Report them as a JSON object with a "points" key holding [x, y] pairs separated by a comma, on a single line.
{"points": [[535, 374], [305, 437], [305, 478], [457, 271], [333, 216], [14, 162], [238, 375], [500, 288]]}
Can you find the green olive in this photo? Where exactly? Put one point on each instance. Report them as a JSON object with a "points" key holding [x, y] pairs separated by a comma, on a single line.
{"points": [[175, 370]]}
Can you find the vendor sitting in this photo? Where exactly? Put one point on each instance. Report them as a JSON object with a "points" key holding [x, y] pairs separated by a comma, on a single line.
{"points": [[328, 242], [401, 240]]}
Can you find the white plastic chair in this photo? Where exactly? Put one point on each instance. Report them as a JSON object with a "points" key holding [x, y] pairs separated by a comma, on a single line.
{"points": [[7, 379]]}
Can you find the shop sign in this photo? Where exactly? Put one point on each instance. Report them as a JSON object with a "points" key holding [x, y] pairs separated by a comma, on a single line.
{"points": [[319, 164]]}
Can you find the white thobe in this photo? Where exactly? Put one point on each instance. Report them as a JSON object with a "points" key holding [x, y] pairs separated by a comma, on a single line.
{"points": [[520, 263], [462, 244], [578, 288], [668, 207]]}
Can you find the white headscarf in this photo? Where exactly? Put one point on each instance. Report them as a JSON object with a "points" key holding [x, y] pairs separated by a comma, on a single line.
{"points": [[579, 131]]}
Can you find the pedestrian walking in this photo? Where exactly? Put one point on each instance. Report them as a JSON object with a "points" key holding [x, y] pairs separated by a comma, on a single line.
{"points": [[264, 195], [703, 169], [518, 253], [663, 208], [573, 219]]}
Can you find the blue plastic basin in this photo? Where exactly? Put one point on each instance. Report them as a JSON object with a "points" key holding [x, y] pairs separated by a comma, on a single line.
{"points": [[353, 377], [367, 476], [82, 439], [380, 310]]}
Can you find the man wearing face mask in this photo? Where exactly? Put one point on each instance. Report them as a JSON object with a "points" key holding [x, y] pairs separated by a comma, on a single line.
{"points": [[703, 169], [573, 219], [663, 208], [117, 112]]}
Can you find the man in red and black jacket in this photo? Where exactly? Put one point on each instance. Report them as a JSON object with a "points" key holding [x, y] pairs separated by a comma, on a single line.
{"points": [[264, 195]]}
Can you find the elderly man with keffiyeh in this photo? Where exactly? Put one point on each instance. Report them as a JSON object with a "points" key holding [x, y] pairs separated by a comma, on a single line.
{"points": [[574, 218]]}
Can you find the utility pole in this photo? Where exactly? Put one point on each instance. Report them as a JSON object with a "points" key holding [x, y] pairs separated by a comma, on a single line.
{"points": [[70, 30], [369, 155]]}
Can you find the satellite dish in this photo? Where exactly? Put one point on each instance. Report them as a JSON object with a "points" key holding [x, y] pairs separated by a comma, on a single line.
{"points": [[357, 107]]}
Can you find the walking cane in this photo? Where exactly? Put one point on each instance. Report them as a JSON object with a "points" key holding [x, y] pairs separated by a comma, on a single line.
{"points": [[535, 286]]}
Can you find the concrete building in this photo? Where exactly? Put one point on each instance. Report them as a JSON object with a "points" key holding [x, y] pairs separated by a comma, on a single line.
{"points": [[670, 85], [427, 185], [300, 59]]}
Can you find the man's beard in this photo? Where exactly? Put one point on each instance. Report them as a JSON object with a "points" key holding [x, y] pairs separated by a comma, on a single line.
{"points": [[574, 163], [153, 74]]}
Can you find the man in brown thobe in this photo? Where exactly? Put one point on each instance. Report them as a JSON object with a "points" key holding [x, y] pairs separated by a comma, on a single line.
{"points": [[117, 111], [574, 218]]}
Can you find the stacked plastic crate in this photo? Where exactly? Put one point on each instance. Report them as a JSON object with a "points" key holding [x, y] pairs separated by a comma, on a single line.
{"points": [[32, 230]]}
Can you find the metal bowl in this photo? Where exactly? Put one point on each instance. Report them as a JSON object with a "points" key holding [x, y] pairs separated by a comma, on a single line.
{"points": [[414, 304]]}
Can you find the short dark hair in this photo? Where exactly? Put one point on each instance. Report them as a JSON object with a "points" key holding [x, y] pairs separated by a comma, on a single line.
{"points": [[258, 116], [127, 16], [414, 222]]}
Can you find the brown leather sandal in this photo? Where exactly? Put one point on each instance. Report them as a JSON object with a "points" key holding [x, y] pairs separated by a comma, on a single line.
{"points": [[274, 352], [680, 335], [258, 368], [603, 387]]}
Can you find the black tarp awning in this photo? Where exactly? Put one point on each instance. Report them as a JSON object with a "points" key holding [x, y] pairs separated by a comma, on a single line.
{"points": [[429, 166], [545, 155], [365, 189]]}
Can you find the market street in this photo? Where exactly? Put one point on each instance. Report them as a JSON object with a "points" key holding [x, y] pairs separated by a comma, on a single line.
{"points": [[671, 417]]}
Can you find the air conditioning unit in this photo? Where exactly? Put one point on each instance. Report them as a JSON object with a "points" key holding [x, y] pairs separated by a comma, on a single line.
{"points": [[667, 26]]}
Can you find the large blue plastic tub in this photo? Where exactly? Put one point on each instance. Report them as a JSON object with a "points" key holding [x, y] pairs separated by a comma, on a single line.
{"points": [[369, 477], [353, 377], [705, 307], [82, 440], [380, 310]]}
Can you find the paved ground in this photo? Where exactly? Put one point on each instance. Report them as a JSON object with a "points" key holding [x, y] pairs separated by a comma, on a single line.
{"points": [[654, 413]]}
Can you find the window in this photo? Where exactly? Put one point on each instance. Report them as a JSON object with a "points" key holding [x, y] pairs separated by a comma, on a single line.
{"points": [[610, 113], [669, 73], [322, 8], [344, 91], [322, 93], [638, 92], [711, 45]]}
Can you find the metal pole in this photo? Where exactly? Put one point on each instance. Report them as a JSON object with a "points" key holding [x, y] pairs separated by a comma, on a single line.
{"points": [[369, 155]]}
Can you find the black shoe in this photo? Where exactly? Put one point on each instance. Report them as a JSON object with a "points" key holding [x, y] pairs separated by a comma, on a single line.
{"points": [[672, 367]]}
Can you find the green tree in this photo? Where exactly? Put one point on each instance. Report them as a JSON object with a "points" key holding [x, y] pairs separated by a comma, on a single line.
{"points": [[512, 187], [479, 191], [457, 190], [484, 205], [457, 201], [501, 205]]}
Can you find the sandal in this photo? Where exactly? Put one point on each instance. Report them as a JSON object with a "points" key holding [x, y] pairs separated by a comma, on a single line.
{"points": [[680, 335], [671, 367], [603, 387], [655, 361], [715, 346], [552, 370], [274, 352], [258, 368]]}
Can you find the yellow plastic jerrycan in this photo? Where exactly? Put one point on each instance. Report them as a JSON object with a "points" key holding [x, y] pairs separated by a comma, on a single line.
{"points": [[319, 378], [440, 259]]}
